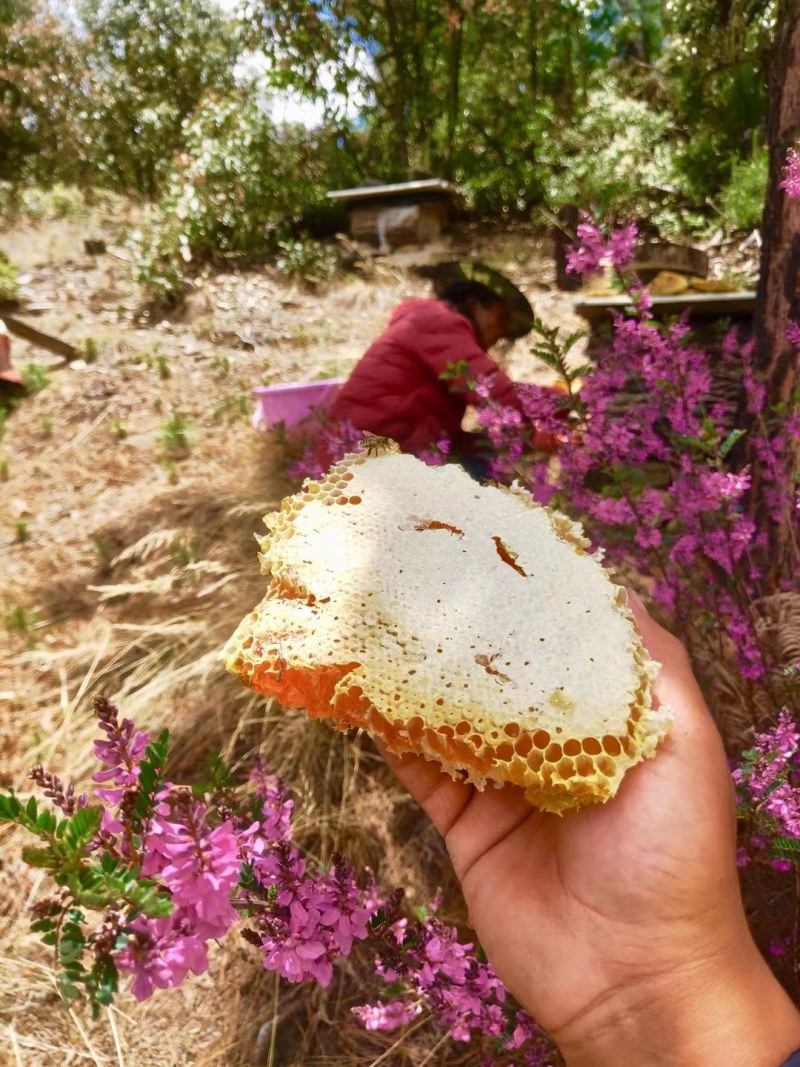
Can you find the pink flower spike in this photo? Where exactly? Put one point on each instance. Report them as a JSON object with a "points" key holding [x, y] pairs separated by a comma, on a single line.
{"points": [[621, 244], [793, 334], [791, 175]]}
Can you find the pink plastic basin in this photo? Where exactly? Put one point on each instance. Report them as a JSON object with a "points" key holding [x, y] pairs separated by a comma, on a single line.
{"points": [[290, 403]]}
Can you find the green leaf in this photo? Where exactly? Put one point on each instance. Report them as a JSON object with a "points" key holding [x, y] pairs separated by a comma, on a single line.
{"points": [[46, 822], [41, 857], [788, 844], [10, 808], [730, 441], [69, 949], [83, 826], [67, 990], [42, 926]]}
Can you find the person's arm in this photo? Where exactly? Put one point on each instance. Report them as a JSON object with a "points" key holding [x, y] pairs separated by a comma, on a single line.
{"points": [[443, 349], [620, 927]]}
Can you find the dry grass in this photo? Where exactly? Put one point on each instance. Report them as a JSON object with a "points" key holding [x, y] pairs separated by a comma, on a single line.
{"points": [[132, 577], [136, 568]]}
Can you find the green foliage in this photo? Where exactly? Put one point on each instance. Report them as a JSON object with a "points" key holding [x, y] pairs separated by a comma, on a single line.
{"points": [[717, 61], [150, 65], [18, 620], [741, 202], [9, 278], [57, 202], [35, 378], [618, 160], [89, 348], [174, 435], [551, 350], [304, 260], [637, 109], [239, 181], [88, 884], [159, 362], [40, 79]]}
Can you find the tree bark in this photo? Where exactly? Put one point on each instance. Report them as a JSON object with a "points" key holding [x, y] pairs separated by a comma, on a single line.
{"points": [[778, 300], [456, 39], [778, 297]]}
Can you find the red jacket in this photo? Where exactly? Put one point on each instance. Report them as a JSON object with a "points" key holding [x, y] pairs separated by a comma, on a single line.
{"points": [[396, 389]]}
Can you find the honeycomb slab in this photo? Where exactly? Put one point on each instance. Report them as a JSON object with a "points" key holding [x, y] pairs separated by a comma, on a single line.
{"points": [[458, 621]]}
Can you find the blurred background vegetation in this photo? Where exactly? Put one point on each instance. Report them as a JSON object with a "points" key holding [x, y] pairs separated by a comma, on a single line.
{"points": [[229, 121]]}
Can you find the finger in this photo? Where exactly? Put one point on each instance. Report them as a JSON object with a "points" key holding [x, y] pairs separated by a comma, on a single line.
{"points": [[442, 799], [492, 820], [694, 731]]}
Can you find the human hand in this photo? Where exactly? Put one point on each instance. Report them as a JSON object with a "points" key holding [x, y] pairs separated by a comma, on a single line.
{"points": [[620, 927]]}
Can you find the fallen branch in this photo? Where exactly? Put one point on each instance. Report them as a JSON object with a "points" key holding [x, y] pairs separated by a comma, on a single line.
{"points": [[41, 340]]}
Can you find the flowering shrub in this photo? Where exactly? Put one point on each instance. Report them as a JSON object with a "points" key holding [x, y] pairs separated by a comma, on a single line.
{"points": [[648, 459], [164, 869]]}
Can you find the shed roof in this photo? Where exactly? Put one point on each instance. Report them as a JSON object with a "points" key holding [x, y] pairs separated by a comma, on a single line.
{"points": [[388, 192]]}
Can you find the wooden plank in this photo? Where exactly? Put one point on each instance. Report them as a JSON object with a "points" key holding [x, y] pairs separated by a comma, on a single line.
{"points": [[705, 305], [651, 258], [41, 340], [382, 192]]}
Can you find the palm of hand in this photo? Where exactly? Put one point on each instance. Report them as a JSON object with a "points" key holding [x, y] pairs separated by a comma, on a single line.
{"points": [[613, 893]]}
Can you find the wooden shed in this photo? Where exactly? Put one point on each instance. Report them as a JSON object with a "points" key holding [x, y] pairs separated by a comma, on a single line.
{"points": [[388, 216]]}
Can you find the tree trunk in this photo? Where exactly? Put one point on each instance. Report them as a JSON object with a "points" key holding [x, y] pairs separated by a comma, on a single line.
{"points": [[400, 96], [456, 40], [778, 300]]}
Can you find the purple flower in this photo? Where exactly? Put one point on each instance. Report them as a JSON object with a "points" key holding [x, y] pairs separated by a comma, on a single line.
{"points": [[588, 256], [160, 953], [380, 1016], [793, 334], [791, 175], [199, 866], [621, 244], [121, 752]]}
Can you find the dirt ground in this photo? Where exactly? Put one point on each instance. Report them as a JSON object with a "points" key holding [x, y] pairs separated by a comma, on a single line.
{"points": [[132, 486]]}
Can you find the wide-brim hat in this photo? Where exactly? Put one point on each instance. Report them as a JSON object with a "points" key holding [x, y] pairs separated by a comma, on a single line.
{"points": [[519, 313]]}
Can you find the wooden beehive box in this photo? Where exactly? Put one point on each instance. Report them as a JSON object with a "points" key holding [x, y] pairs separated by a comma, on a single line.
{"points": [[388, 216]]}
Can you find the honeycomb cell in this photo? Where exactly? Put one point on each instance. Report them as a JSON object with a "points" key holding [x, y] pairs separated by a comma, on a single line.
{"points": [[584, 766], [415, 727], [523, 745], [566, 768], [535, 761], [553, 753], [541, 739], [611, 745], [572, 747], [591, 746]]}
